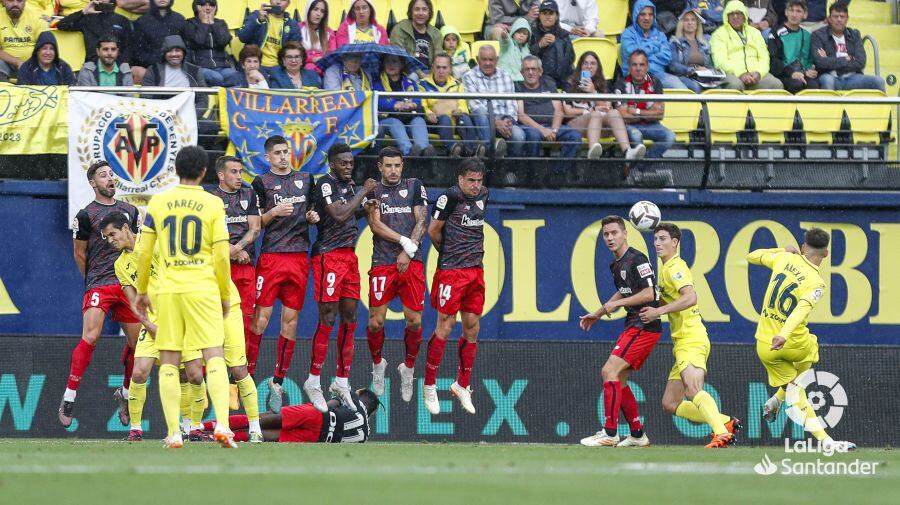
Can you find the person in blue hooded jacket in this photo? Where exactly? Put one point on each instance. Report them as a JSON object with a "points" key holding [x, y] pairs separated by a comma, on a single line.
{"points": [[645, 35], [401, 117], [44, 67]]}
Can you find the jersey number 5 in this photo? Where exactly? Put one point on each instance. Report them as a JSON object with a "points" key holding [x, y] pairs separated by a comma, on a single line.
{"points": [[785, 298], [191, 228]]}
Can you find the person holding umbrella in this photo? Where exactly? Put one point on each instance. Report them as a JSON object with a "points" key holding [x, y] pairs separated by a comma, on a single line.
{"points": [[401, 117], [351, 66]]}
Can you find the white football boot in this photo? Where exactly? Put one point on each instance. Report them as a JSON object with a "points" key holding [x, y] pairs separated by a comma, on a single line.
{"points": [[464, 395], [378, 377], [600, 439], [406, 382], [429, 394]]}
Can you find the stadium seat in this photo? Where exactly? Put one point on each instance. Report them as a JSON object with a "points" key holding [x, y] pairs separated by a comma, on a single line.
{"points": [[726, 119], [233, 12], [462, 15], [398, 7], [186, 9], [867, 122], [605, 49], [613, 17], [819, 121], [336, 13], [478, 43], [71, 48], [235, 46], [681, 117], [773, 120]]}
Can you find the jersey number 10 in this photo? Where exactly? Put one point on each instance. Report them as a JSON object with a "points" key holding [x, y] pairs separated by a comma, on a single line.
{"points": [[191, 230]]}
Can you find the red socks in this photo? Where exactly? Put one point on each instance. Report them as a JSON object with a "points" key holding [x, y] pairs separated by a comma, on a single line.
{"points": [[128, 363], [412, 339], [346, 332], [376, 343], [466, 352], [319, 349], [252, 349], [612, 402], [630, 409], [434, 355], [81, 358], [235, 422], [283, 355]]}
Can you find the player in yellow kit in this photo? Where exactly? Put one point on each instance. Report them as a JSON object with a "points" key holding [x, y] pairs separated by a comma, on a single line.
{"points": [[185, 226], [783, 342], [690, 341]]}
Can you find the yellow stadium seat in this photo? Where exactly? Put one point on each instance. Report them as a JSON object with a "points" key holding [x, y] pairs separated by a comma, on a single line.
{"points": [[71, 48], [726, 119], [398, 7], [235, 46], [681, 117], [820, 120], [867, 122], [186, 8], [464, 15], [232, 12], [605, 49], [773, 120], [613, 17], [336, 12], [479, 43]]}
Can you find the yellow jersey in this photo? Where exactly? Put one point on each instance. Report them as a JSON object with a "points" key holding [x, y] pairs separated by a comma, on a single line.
{"points": [[186, 222], [67, 7], [18, 39], [273, 42], [795, 285], [686, 325], [127, 272]]}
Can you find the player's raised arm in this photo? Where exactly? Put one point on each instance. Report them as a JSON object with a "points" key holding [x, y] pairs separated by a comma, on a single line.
{"points": [[340, 210], [764, 257], [80, 234]]}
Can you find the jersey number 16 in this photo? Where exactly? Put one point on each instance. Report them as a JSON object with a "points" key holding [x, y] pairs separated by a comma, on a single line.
{"points": [[784, 297]]}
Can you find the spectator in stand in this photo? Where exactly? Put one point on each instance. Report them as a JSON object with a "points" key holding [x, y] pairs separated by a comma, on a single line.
{"points": [[789, 51], [349, 74], [514, 48], [710, 12], [690, 50], [44, 67], [361, 25], [207, 38], [487, 78], [817, 15], [667, 12], [503, 13], [542, 120], [459, 51], [590, 117], [132, 9], [105, 70], [20, 28], [643, 118], [149, 32], [171, 70], [740, 51], [97, 21], [249, 59], [552, 44], [838, 53], [761, 14], [270, 28], [446, 113], [644, 34], [317, 38], [579, 18], [291, 72], [416, 34], [401, 117]]}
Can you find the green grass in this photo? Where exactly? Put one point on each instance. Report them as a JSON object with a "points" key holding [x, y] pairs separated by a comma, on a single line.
{"points": [[99, 472]]}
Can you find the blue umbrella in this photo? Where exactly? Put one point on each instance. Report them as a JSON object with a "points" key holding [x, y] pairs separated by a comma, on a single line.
{"points": [[372, 55]]}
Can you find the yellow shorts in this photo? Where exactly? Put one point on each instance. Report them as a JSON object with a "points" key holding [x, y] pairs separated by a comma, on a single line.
{"points": [[235, 349], [189, 321], [787, 363], [146, 344], [688, 353]]}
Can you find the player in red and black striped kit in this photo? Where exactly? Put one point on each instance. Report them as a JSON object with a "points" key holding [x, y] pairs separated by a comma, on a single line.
{"points": [[457, 232], [397, 211], [636, 288], [96, 258], [336, 271], [283, 267]]}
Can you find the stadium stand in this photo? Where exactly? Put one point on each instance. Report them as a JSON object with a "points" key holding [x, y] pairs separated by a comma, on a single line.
{"points": [[606, 49]]}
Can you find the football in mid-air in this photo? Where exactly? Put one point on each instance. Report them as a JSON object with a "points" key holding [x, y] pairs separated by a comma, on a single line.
{"points": [[644, 215]]}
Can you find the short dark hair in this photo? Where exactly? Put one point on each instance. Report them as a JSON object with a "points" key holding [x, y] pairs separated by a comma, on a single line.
{"points": [[336, 149], [105, 39], [612, 219], [249, 51], [273, 141], [389, 152], [816, 238], [428, 4], [97, 165], [292, 44], [190, 162], [637, 52], [796, 3], [838, 6], [118, 219], [225, 160], [442, 55], [671, 228], [369, 400], [470, 165]]}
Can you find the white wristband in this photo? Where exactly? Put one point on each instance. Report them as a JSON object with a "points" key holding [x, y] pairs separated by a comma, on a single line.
{"points": [[409, 246]]}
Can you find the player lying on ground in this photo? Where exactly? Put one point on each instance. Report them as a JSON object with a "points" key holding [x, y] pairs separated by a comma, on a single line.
{"points": [[305, 423], [690, 341], [397, 211], [784, 343]]}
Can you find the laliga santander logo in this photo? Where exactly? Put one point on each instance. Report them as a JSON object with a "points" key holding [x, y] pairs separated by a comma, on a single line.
{"points": [[766, 466], [822, 389]]}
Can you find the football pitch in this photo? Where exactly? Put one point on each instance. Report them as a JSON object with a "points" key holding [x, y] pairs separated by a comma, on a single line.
{"points": [[99, 472]]}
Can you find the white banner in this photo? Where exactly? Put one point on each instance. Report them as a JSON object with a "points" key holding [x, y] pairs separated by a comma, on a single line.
{"points": [[139, 138]]}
